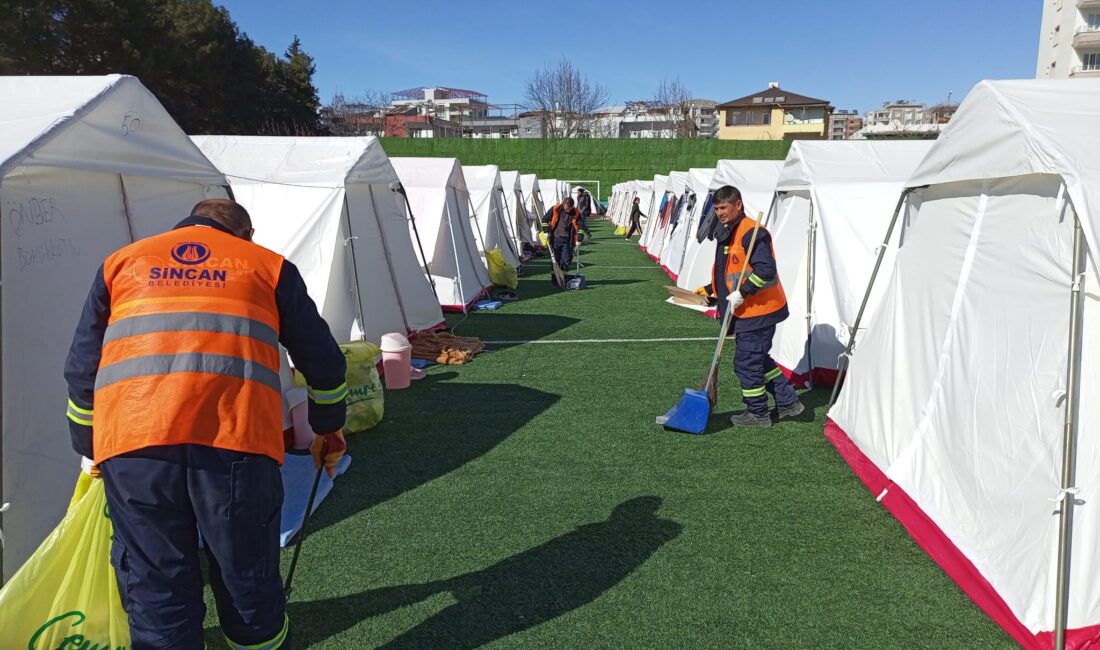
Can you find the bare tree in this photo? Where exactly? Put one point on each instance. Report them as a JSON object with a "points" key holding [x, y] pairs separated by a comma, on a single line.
{"points": [[565, 99], [364, 114], [673, 99]]}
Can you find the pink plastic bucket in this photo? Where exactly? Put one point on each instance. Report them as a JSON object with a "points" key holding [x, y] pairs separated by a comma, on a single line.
{"points": [[396, 361]]}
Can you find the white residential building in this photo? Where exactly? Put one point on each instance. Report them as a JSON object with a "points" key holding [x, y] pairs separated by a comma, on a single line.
{"points": [[1069, 40], [453, 104]]}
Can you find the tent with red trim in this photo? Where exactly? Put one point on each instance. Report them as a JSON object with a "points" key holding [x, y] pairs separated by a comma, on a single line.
{"points": [[834, 201], [969, 407]]}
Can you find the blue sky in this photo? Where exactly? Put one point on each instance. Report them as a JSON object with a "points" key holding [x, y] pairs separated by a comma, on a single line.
{"points": [[854, 54]]}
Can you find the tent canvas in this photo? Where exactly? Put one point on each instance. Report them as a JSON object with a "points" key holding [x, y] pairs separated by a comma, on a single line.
{"points": [[966, 408], [833, 205], [87, 166], [656, 203], [517, 210], [676, 189], [533, 203], [327, 205], [448, 231], [550, 189], [697, 187], [490, 208]]}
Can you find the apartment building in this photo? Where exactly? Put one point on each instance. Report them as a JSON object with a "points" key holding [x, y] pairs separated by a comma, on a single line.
{"points": [[1069, 40]]}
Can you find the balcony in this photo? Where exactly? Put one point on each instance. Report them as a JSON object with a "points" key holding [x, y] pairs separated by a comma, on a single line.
{"points": [[1088, 4], [1085, 71], [1087, 36]]}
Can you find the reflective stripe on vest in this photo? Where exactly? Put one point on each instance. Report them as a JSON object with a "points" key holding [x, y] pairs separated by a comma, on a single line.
{"points": [[273, 644], [191, 351], [769, 297]]}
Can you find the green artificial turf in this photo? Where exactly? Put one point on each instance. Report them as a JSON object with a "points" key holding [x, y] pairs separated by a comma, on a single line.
{"points": [[528, 500]]}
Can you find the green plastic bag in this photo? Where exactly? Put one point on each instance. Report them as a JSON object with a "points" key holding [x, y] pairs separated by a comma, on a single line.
{"points": [[66, 595], [366, 400], [500, 272]]}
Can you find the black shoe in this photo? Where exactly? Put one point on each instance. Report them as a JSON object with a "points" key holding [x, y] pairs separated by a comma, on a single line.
{"points": [[791, 410], [749, 419]]}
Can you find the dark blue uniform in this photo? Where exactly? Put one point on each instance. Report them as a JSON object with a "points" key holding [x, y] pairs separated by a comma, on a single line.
{"points": [[162, 498], [752, 362]]}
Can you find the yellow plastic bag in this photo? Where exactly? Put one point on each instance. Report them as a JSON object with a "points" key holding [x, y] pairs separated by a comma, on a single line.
{"points": [[66, 596], [366, 400], [621, 230], [544, 239], [500, 272]]}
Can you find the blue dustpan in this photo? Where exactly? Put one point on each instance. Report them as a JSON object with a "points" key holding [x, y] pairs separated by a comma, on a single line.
{"points": [[690, 414]]}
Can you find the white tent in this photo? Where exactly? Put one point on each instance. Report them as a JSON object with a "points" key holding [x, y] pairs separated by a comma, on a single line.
{"points": [[653, 208], [491, 210], [833, 206], [550, 189], [87, 165], [449, 233], [676, 189], [517, 210], [329, 206], [683, 230], [533, 202], [968, 410]]}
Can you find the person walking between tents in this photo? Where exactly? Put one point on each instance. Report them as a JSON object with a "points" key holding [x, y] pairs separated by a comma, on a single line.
{"points": [[174, 391], [584, 207], [563, 226], [635, 219], [759, 304]]}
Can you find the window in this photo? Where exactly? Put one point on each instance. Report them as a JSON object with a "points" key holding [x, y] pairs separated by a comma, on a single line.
{"points": [[733, 118], [757, 100], [1093, 20], [1091, 61], [766, 117]]}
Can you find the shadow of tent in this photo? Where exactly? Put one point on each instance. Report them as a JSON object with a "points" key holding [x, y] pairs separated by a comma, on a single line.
{"points": [[520, 592], [504, 326], [429, 430]]}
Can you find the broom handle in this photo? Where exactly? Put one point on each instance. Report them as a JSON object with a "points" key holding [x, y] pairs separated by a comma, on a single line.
{"points": [[729, 311]]}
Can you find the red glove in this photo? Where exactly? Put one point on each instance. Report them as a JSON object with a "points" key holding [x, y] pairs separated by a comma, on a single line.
{"points": [[327, 450]]}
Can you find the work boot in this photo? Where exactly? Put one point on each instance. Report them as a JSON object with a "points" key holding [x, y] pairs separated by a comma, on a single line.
{"points": [[791, 410], [750, 419]]}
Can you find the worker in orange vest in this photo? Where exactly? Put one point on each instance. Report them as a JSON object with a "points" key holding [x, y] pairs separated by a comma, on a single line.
{"points": [[759, 305], [564, 231], [174, 392]]}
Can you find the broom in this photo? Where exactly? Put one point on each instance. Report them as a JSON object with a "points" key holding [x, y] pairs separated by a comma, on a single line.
{"points": [[692, 412]]}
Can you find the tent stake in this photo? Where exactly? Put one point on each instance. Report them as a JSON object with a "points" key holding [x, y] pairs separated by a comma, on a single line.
{"points": [[1069, 438], [842, 366]]}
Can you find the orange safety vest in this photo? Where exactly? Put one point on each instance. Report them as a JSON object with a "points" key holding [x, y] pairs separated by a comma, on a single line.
{"points": [[555, 214], [191, 351], [769, 297]]}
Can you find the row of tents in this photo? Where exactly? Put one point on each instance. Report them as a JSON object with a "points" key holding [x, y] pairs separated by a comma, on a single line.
{"points": [[959, 276], [90, 164]]}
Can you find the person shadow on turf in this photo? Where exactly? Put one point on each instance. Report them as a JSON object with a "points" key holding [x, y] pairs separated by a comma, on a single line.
{"points": [[513, 595]]}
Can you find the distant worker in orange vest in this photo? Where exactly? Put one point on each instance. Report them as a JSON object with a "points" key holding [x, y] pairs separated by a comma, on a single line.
{"points": [[174, 392], [759, 304], [563, 229]]}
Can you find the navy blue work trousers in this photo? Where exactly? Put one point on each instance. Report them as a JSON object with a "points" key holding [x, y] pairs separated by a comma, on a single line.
{"points": [[160, 499], [757, 372]]}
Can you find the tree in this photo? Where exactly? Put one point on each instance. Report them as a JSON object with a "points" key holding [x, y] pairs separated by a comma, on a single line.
{"points": [[564, 99], [361, 115], [672, 99], [209, 75]]}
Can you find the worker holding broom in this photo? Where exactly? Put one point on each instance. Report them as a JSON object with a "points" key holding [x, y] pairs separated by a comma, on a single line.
{"points": [[755, 294], [174, 391], [563, 228]]}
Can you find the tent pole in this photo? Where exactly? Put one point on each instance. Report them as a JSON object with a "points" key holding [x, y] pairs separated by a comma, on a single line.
{"points": [[419, 246], [355, 269], [126, 207], [811, 262], [2, 504], [1069, 437], [386, 254], [842, 366], [454, 247], [771, 209]]}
